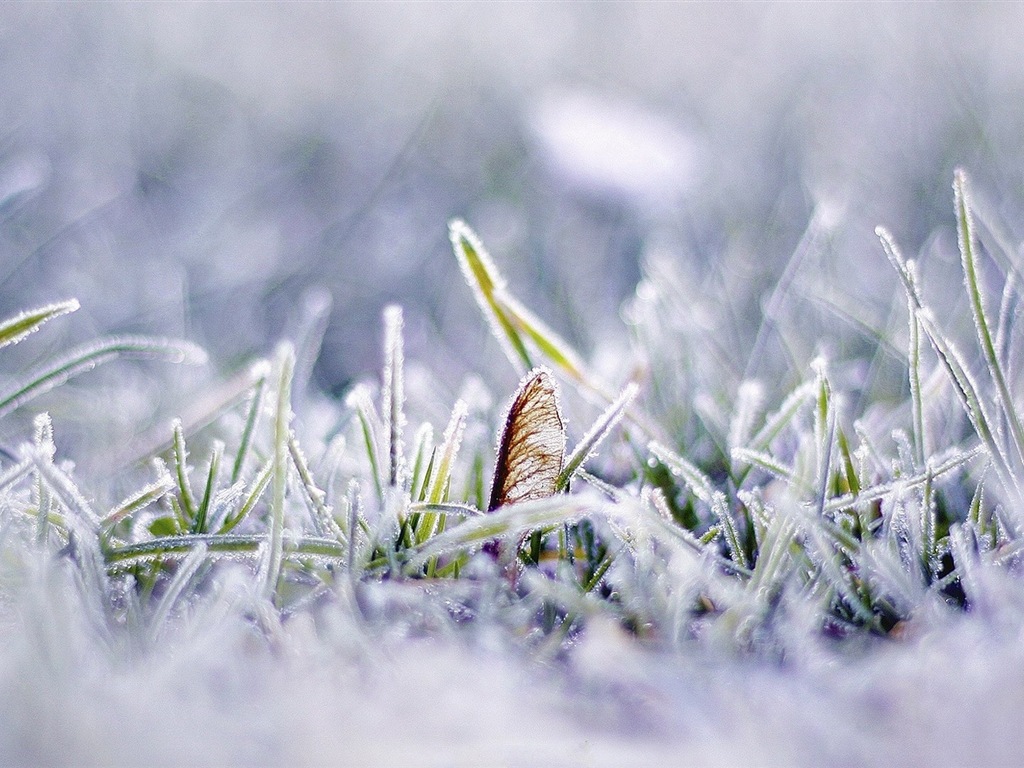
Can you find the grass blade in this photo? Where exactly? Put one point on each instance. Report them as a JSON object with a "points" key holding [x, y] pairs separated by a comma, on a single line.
{"points": [[16, 328], [393, 395], [486, 283], [282, 431], [596, 435], [260, 373], [969, 259], [89, 356]]}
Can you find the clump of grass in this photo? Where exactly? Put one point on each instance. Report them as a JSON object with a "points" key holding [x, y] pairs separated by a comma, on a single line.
{"points": [[725, 526]]}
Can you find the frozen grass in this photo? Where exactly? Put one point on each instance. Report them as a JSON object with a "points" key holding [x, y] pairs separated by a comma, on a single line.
{"points": [[326, 588]]}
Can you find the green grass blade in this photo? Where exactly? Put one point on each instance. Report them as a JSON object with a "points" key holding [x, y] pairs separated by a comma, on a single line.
{"points": [[16, 328], [969, 259], [258, 486], [440, 471], [359, 400], [260, 373], [253, 544], [211, 485], [188, 502], [486, 283], [557, 351], [424, 441]]}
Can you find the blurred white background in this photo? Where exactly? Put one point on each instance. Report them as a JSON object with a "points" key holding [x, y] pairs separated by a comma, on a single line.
{"points": [[195, 169]]}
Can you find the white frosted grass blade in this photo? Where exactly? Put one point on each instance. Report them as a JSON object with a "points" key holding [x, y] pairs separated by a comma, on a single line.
{"points": [[927, 523], [765, 462], [258, 485], [87, 357], [590, 442], [825, 428], [14, 329], [921, 441], [823, 538], [937, 467], [354, 500], [973, 405], [969, 260], [322, 514], [140, 499], [964, 548], [307, 332], [68, 492], [778, 421], [699, 483], [224, 501], [83, 540], [606, 488], [655, 519], [774, 559], [393, 395], [282, 430], [749, 401], [720, 508], [959, 376], [183, 575], [512, 521], [14, 473], [45, 447], [1008, 305], [188, 502], [441, 470], [448, 508], [957, 372]]}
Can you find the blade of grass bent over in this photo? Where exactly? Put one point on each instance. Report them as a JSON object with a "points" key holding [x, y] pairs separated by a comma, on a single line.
{"points": [[485, 281], [87, 357]]}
